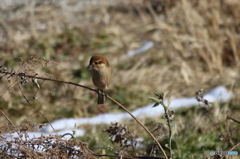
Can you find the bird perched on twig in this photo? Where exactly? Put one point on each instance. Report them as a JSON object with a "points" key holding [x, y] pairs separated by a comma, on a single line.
{"points": [[101, 74]]}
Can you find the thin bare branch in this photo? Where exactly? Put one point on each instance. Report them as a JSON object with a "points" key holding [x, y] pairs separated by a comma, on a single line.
{"points": [[36, 109], [139, 122], [6, 117]]}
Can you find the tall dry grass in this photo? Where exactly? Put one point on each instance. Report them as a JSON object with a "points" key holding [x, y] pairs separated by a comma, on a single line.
{"points": [[196, 46], [196, 42]]}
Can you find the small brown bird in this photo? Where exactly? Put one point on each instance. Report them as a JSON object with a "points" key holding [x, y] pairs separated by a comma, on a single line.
{"points": [[101, 74]]}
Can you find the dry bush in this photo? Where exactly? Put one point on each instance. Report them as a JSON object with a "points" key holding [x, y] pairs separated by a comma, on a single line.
{"points": [[53, 146]]}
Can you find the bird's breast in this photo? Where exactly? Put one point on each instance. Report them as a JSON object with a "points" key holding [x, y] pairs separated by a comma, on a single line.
{"points": [[101, 78]]}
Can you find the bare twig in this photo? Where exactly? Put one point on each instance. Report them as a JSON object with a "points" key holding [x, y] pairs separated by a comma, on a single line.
{"points": [[48, 79], [36, 109], [125, 109], [228, 117], [238, 144], [7, 118], [200, 99]]}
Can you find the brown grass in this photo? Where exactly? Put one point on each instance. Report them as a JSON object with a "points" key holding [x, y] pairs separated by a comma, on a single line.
{"points": [[196, 46], [53, 146]]}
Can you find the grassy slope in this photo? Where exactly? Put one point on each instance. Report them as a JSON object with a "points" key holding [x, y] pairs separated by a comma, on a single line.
{"points": [[197, 46]]}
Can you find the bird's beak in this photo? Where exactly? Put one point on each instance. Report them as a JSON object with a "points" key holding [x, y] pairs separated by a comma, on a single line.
{"points": [[90, 66]]}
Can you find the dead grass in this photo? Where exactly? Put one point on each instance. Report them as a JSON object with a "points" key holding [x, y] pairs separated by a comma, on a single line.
{"points": [[53, 146], [196, 46]]}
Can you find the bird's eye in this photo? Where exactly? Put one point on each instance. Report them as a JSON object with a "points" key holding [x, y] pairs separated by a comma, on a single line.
{"points": [[96, 62]]}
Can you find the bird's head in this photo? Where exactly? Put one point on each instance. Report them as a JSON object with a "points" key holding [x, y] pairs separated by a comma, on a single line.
{"points": [[98, 62]]}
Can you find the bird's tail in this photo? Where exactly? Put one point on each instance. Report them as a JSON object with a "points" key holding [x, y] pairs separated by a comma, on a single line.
{"points": [[100, 97]]}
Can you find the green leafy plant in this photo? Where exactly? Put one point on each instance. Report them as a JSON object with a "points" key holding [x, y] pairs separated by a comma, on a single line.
{"points": [[168, 116]]}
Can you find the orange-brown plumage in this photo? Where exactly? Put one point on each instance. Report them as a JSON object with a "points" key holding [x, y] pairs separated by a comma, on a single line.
{"points": [[101, 74]]}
